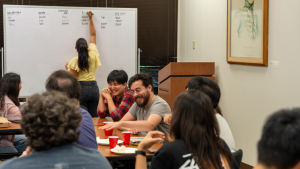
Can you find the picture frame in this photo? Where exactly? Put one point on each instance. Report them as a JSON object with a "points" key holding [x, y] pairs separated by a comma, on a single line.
{"points": [[247, 32]]}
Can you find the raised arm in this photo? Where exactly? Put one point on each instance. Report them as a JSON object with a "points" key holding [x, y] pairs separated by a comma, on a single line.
{"points": [[92, 27]]}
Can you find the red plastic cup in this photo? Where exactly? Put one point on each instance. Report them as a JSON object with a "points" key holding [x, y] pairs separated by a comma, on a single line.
{"points": [[126, 137], [108, 132], [113, 141]]}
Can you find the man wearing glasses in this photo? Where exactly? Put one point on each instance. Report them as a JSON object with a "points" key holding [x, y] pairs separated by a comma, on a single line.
{"points": [[148, 109]]}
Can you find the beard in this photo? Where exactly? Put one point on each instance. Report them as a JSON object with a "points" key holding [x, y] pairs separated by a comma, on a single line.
{"points": [[146, 99]]}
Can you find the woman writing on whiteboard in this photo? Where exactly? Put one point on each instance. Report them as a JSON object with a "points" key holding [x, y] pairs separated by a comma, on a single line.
{"points": [[10, 86], [84, 67]]}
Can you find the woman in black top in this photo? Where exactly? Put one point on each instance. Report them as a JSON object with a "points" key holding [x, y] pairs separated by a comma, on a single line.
{"points": [[196, 131]]}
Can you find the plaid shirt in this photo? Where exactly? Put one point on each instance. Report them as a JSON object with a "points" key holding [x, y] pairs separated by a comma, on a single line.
{"points": [[122, 106]]}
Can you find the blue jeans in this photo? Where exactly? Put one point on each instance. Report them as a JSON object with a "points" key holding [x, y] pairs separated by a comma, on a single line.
{"points": [[90, 96], [19, 143]]}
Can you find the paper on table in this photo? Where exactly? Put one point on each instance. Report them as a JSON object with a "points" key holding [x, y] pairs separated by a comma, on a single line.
{"points": [[135, 139]]}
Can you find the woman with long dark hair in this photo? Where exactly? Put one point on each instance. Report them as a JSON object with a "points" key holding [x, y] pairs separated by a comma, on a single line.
{"points": [[10, 86], [84, 66], [196, 131]]}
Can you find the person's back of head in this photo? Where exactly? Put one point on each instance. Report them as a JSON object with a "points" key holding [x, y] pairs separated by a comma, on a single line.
{"points": [[64, 82], [279, 146], [10, 86], [194, 122], [207, 86], [50, 119]]}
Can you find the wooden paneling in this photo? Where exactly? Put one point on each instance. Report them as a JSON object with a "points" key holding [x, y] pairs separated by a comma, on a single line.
{"points": [[186, 68], [164, 90], [174, 77], [246, 166], [171, 88]]}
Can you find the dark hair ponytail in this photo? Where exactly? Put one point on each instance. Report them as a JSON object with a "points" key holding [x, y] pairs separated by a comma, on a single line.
{"points": [[83, 54]]}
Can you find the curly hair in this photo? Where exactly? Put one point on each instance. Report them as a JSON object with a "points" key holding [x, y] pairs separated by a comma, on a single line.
{"points": [[50, 119], [146, 78]]}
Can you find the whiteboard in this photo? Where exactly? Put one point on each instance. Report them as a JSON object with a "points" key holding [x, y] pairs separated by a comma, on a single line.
{"points": [[39, 40]]}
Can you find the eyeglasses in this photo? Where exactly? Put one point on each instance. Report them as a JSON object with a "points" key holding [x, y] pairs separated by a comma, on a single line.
{"points": [[137, 90]]}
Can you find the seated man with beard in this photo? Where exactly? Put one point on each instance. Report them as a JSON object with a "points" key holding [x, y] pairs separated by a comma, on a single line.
{"points": [[148, 109]]}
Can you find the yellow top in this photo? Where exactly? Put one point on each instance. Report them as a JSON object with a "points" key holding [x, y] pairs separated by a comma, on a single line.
{"points": [[94, 62]]}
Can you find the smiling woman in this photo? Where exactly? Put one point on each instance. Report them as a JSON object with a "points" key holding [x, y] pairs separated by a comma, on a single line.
{"points": [[115, 100]]}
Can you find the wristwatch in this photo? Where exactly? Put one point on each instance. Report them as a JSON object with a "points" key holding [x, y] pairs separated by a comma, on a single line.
{"points": [[140, 152]]}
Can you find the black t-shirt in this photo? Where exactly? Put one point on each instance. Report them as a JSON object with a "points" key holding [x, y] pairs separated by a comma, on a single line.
{"points": [[175, 155]]}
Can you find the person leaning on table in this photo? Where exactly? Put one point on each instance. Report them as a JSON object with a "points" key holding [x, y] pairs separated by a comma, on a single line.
{"points": [[50, 121], [115, 100], [147, 113], [212, 89], [197, 143]]}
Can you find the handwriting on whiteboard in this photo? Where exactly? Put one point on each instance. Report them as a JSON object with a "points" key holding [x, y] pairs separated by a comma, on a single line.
{"points": [[118, 18], [103, 22], [84, 18], [10, 17], [42, 17], [65, 20]]}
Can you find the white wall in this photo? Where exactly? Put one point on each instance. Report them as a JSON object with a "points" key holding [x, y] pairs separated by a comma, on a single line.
{"points": [[249, 93]]}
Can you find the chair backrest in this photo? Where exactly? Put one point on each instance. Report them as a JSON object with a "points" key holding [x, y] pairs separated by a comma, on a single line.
{"points": [[238, 155]]}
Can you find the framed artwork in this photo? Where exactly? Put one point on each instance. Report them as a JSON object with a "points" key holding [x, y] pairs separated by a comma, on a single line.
{"points": [[247, 32]]}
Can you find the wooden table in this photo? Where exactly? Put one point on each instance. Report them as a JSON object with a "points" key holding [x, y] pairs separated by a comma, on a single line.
{"points": [[14, 128], [105, 150], [99, 121]]}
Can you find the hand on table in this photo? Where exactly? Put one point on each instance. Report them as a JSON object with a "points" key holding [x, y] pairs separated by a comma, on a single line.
{"points": [[167, 118], [111, 126], [151, 138], [135, 132]]}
